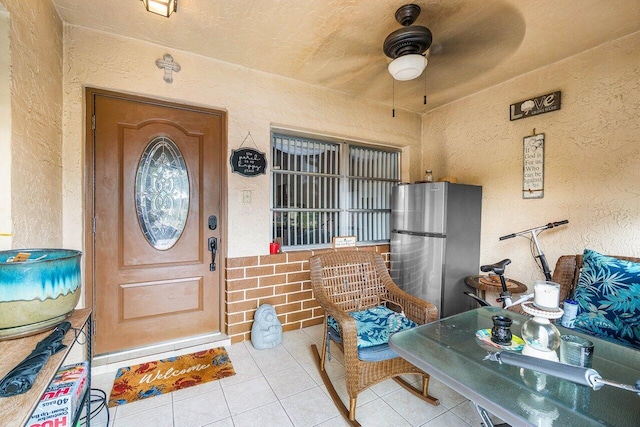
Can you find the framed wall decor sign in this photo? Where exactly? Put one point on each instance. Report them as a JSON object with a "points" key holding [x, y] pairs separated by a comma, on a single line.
{"points": [[533, 167], [534, 106]]}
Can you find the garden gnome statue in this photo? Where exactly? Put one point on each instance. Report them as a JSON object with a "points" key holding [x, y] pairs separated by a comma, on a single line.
{"points": [[266, 331]]}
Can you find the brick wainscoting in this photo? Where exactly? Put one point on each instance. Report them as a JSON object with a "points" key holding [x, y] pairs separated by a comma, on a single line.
{"points": [[281, 280]]}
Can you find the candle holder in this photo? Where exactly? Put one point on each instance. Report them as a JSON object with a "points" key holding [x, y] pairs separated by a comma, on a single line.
{"points": [[500, 333], [541, 337]]}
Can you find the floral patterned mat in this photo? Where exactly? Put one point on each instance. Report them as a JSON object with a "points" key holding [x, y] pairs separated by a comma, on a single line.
{"points": [[166, 375], [484, 335]]}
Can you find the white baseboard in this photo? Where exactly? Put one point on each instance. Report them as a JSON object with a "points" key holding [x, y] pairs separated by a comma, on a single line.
{"points": [[111, 362]]}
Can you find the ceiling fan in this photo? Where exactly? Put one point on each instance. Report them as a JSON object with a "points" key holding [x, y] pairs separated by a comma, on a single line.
{"points": [[461, 43], [407, 45]]}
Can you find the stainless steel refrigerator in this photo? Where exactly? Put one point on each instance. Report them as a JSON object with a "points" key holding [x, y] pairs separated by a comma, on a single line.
{"points": [[435, 242]]}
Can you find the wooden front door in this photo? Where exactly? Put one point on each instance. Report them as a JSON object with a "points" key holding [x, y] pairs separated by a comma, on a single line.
{"points": [[158, 183]]}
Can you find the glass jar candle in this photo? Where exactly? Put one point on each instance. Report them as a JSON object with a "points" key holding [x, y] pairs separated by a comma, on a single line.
{"points": [[546, 295]]}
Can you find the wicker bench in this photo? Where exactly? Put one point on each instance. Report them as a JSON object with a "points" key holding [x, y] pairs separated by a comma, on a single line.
{"points": [[567, 273]]}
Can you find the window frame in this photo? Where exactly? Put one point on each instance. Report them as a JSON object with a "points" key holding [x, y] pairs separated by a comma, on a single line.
{"points": [[344, 209]]}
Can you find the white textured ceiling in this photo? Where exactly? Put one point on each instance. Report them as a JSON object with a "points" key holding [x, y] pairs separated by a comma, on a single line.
{"points": [[338, 43]]}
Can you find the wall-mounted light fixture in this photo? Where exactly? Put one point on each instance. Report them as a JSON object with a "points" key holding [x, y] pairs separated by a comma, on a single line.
{"points": [[161, 7]]}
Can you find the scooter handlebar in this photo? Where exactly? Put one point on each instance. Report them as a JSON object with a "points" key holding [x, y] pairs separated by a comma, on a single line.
{"points": [[544, 227]]}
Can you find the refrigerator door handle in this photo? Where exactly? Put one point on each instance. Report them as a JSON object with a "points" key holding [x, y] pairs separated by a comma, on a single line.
{"points": [[414, 233]]}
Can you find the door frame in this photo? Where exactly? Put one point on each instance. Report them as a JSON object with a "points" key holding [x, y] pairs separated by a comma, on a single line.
{"points": [[89, 191]]}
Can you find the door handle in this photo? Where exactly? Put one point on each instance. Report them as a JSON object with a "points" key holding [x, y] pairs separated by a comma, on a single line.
{"points": [[213, 247]]}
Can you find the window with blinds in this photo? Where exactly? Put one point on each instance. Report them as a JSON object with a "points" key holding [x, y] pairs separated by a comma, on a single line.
{"points": [[317, 195]]}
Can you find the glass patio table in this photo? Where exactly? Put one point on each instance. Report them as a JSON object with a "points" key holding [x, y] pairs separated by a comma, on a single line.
{"points": [[449, 351]]}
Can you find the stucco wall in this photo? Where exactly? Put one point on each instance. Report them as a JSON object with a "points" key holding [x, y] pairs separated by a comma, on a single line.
{"points": [[592, 157], [5, 129], [35, 187], [254, 101]]}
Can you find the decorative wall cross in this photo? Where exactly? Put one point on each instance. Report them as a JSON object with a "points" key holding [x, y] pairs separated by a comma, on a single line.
{"points": [[169, 67]]}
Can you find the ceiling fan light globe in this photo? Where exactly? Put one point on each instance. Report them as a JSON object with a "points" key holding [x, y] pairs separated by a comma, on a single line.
{"points": [[407, 67]]}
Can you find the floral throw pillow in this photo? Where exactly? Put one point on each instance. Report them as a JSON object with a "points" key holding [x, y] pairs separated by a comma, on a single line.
{"points": [[608, 295]]}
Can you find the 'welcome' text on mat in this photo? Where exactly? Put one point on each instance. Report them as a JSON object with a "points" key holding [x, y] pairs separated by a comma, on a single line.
{"points": [[167, 375]]}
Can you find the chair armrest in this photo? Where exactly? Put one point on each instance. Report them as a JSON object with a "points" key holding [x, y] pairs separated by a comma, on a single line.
{"points": [[418, 310], [348, 327], [415, 309], [391, 305]]}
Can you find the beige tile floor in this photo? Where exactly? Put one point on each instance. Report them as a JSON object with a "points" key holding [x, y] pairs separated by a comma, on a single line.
{"points": [[282, 387]]}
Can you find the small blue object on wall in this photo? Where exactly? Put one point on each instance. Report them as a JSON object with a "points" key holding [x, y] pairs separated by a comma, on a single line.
{"points": [[266, 331]]}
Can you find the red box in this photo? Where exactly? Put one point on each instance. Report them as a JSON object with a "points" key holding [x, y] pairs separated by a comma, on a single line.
{"points": [[62, 399]]}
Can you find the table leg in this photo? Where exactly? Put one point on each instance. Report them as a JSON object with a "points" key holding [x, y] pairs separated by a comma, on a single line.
{"points": [[484, 416], [486, 419]]}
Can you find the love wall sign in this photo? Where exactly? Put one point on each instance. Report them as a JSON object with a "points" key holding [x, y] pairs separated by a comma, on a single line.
{"points": [[534, 106]]}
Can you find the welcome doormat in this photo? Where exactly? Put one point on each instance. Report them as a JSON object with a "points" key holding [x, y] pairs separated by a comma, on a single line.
{"points": [[171, 374]]}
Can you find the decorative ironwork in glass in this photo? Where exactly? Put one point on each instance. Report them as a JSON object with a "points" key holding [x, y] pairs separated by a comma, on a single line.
{"points": [[162, 193]]}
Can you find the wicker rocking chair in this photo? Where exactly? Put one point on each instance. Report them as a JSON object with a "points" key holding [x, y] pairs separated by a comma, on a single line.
{"points": [[347, 282]]}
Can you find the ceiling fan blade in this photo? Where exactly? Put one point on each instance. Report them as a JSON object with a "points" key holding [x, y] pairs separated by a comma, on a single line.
{"points": [[469, 44]]}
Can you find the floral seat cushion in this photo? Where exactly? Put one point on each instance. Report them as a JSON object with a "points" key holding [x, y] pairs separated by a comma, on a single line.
{"points": [[608, 295], [375, 325]]}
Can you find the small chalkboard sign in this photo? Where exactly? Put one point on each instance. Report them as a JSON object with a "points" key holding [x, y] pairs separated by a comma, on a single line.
{"points": [[248, 162]]}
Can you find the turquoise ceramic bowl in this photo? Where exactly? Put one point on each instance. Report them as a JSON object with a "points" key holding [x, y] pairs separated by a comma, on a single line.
{"points": [[38, 293]]}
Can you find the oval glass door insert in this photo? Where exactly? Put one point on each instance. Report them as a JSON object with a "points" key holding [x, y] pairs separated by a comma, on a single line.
{"points": [[162, 193]]}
